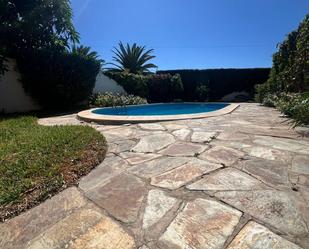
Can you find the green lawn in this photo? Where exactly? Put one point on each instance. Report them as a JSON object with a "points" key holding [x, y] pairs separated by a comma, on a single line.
{"points": [[37, 161]]}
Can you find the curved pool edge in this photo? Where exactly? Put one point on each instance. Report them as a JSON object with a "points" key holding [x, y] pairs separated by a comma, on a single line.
{"points": [[89, 116]]}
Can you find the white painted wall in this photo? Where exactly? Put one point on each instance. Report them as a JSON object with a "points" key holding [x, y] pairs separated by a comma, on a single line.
{"points": [[106, 84], [12, 95]]}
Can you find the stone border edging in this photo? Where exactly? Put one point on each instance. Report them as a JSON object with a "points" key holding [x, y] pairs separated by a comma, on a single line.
{"points": [[89, 116]]}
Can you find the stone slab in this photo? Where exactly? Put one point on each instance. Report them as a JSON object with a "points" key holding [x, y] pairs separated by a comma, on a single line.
{"points": [[153, 143], [16, 232], [203, 136], [104, 235], [256, 236], [158, 166], [201, 224], [227, 179], [224, 155], [122, 197], [268, 153], [109, 168], [180, 176], [300, 164], [183, 149], [181, 134], [273, 173], [277, 208], [66, 230], [151, 127], [158, 204], [292, 145]]}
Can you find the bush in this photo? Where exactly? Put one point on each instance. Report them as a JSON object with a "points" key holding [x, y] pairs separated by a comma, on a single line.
{"points": [[112, 99], [295, 106], [290, 70], [154, 87], [219, 81], [58, 79], [164, 87], [202, 92], [134, 84]]}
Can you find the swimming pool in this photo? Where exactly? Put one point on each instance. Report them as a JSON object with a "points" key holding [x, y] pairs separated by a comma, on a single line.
{"points": [[160, 109], [156, 112]]}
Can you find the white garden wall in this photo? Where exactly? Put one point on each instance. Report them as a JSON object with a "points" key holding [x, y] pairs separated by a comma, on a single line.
{"points": [[14, 99], [12, 95], [106, 84]]}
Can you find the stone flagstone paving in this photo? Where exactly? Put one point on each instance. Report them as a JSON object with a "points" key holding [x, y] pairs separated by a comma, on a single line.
{"points": [[237, 181]]}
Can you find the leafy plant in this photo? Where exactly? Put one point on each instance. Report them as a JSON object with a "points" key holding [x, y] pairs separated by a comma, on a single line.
{"points": [[202, 92], [295, 106], [135, 84], [132, 59], [115, 99], [36, 24], [86, 52], [164, 87], [58, 79], [290, 70]]}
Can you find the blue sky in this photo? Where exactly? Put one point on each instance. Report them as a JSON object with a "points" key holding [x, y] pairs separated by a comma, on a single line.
{"points": [[191, 33]]}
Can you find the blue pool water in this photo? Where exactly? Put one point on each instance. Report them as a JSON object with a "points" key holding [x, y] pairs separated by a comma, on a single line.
{"points": [[160, 109]]}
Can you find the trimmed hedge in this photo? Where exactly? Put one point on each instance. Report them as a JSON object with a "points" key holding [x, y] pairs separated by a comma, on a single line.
{"points": [[58, 79], [219, 82], [154, 87], [135, 84], [164, 87]]}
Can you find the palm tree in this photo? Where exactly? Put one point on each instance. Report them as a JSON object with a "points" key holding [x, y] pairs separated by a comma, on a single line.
{"points": [[132, 59], [86, 52]]}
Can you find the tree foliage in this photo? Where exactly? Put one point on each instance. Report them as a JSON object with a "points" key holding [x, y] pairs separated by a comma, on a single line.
{"points": [[132, 59], [290, 70], [36, 24]]}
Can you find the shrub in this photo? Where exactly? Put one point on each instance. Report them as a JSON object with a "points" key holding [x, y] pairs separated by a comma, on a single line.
{"points": [[202, 92], [164, 87], [58, 79], [290, 70], [154, 87], [112, 99], [134, 84], [270, 100], [295, 106], [219, 81]]}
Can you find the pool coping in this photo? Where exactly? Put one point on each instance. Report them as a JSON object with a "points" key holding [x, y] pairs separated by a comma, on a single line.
{"points": [[89, 116]]}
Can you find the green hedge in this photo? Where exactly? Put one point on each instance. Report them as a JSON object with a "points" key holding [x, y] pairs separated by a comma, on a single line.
{"points": [[164, 87], [154, 87], [134, 84], [290, 70], [218, 82], [58, 79]]}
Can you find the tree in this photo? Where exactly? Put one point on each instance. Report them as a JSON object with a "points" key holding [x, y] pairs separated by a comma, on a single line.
{"points": [[86, 52], [132, 59], [35, 24]]}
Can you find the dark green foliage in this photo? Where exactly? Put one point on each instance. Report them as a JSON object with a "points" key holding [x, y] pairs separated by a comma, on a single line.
{"points": [[35, 24], [154, 87], [115, 99], [58, 79], [132, 59], [164, 87], [135, 84], [294, 105], [219, 81], [202, 92], [290, 71]]}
